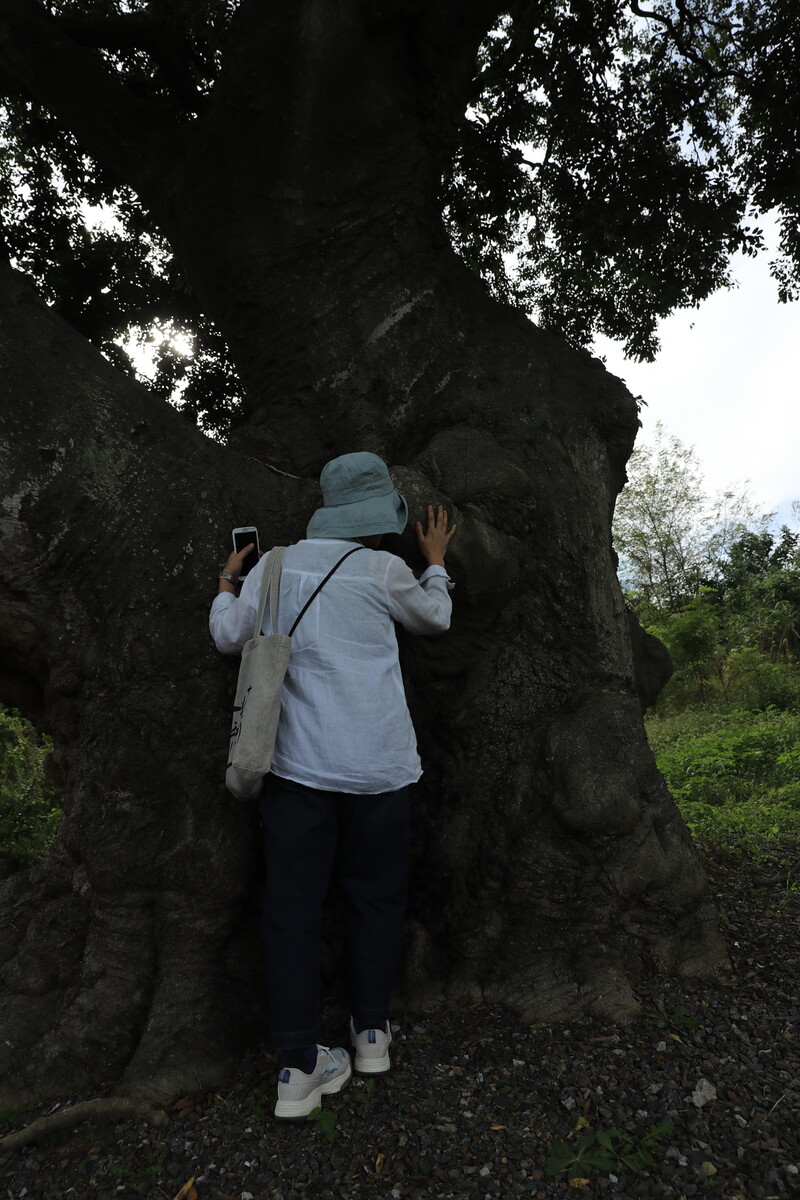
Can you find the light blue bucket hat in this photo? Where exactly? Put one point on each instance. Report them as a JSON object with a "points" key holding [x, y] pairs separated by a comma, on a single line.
{"points": [[359, 499]]}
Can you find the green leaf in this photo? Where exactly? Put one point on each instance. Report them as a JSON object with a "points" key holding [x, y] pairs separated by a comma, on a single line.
{"points": [[559, 1157], [607, 1137], [662, 1129], [601, 1160]]}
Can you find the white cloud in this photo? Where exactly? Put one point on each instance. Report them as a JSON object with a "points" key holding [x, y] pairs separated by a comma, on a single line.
{"points": [[726, 381]]}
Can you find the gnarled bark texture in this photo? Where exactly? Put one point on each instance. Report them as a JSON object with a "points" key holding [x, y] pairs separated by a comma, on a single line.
{"points": [[552, 869]]}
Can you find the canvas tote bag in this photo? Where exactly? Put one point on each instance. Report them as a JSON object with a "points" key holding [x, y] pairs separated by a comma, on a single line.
{"points": [[257, 707]]}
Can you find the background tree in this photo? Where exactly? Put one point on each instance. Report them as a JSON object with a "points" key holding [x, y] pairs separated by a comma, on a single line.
{"points": [[759, 585], [292, 158], [670, 534], [735, 642], [707, 577]]}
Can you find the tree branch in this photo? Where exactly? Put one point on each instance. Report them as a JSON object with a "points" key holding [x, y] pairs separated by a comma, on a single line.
{"points": [[637, 9], [676, 31], [132, 137]]}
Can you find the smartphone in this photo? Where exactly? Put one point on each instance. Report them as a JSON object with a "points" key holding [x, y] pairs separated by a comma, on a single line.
{"points": [[242, 537]]}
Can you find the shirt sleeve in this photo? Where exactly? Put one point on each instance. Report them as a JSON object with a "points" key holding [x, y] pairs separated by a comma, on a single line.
{"points": [[232, 619], [421, 606]]}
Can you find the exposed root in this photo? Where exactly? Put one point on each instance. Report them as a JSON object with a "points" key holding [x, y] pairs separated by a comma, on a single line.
{"points": [[109, 1107]]}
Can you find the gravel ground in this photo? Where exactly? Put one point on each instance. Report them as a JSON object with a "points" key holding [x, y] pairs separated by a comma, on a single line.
{"points": [[476, 1100]]}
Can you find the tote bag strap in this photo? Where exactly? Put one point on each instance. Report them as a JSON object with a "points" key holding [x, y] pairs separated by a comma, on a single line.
{"points": [[318, 589], [270, 584]]}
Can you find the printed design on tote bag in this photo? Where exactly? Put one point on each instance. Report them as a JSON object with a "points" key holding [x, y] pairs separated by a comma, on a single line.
{"points": [[238, 716]]}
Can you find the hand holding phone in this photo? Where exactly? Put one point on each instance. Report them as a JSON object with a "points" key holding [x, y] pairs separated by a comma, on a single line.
{"points": [[246, 535]]}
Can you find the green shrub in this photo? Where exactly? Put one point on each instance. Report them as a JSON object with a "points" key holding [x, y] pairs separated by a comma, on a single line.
{"points": [[740, 678], [745, 755], [735, 775], [692, 637], [752, 681], [764, 827], [29, 810]]}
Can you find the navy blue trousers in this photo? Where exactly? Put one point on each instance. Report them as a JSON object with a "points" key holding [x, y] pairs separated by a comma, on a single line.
{"points": [[310, 837]]}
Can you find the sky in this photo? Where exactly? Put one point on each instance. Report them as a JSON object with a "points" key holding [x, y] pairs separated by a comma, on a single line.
{"points": [[727, 382]]}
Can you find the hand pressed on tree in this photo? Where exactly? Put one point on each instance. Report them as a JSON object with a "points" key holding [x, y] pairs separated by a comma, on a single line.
{"points": [[433, 541]]}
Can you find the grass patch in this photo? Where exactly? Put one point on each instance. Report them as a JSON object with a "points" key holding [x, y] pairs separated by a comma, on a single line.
{"points": [[735, 776]]}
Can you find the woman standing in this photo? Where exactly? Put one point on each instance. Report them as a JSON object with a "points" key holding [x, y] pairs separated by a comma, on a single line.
{"points": [[336, 800]]}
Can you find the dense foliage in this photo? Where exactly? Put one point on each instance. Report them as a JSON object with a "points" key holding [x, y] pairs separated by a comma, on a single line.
{"points": [[735, 775], [737, 640], [726, 730], [94, 252], [708, 576], [620, 154], [29, 810], [722, 591], [616, 156]]}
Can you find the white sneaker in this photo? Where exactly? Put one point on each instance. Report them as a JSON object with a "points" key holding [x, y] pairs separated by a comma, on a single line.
{"points": [[372, 1050], [299, 1094]]}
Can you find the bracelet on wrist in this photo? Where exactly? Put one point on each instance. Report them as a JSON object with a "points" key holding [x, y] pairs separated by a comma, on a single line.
{"points": [[230, 578]]}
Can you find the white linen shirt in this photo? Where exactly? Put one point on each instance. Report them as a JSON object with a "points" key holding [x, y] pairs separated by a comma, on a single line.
{"points": [[345, 724]]}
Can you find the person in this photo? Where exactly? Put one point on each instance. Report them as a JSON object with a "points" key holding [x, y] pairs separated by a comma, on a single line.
{"points": [[336, 800]]}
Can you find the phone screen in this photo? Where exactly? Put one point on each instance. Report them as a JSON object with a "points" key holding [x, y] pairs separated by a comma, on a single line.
{"points": [[242, 538]]}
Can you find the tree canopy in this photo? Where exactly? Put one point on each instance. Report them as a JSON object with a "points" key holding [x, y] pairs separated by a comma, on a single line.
{"points": [[610, 160]]}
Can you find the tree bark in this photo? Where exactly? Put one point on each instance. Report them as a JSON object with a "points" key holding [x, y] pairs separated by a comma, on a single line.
{"points": [[121, 949], [552, 870]]}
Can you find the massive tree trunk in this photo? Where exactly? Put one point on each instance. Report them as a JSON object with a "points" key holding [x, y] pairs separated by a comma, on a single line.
{"points": [[552, 869]]}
